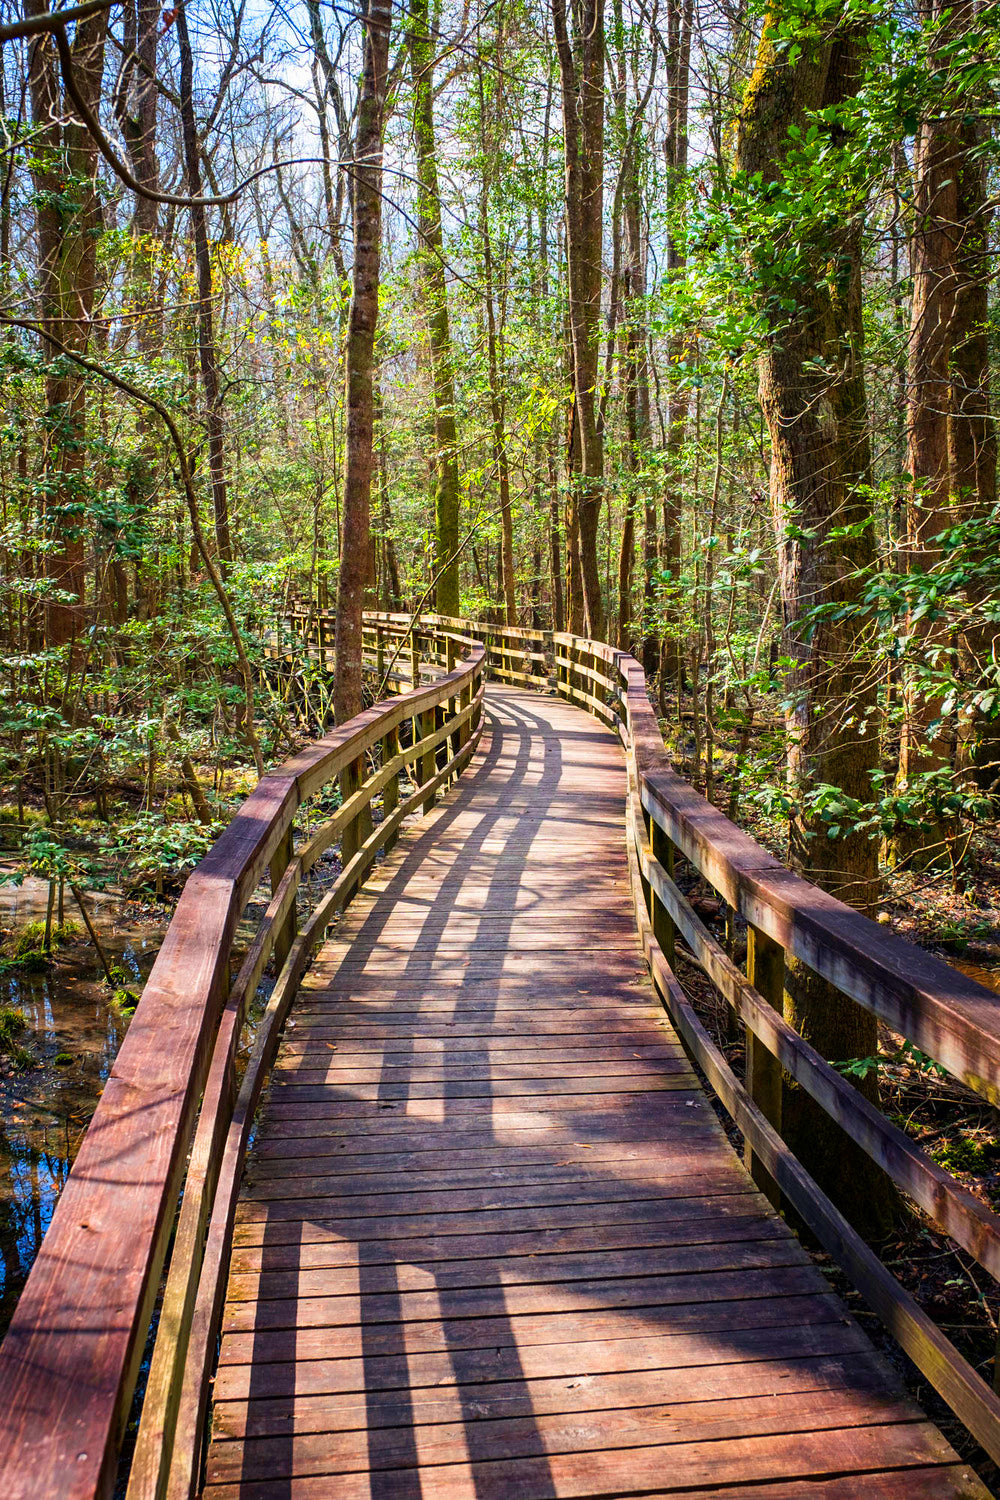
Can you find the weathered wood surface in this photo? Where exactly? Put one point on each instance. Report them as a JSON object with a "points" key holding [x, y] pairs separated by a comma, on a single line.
{"points": [[493, 1241]]}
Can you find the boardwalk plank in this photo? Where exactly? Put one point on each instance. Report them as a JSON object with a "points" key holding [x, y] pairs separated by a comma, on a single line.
{"points": [[761, 1381], [518, 1437]]}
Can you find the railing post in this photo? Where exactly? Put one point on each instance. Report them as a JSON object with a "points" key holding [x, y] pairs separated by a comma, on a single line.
{"points": [[428, 758], [379, 652], [664, 929], [454, 739], [441, 752], [284, 935], [464, 699], [414, 659], [390, 792], [766, 972], [358, 828]]}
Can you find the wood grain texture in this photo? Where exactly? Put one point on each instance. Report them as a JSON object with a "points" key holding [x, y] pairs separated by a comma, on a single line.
{"points": [[492, 1240]]}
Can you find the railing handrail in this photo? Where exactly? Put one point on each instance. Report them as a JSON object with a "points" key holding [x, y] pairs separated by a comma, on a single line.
{"points": [[69, 1361]]}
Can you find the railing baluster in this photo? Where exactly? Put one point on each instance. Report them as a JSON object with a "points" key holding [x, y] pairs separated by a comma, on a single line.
{"points": [[390, 794], [428, 758], [357, 829], [414, 659], [664, 927], [285, 935], [766, 972]]}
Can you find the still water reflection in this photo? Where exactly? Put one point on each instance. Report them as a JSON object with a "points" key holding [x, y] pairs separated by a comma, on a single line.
{"points": [[45, 1110]]}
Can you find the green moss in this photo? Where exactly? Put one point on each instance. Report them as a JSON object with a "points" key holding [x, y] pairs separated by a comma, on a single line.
{"points": [[24, 951], [124, 1002], [965, 1155], [64, 1059]]}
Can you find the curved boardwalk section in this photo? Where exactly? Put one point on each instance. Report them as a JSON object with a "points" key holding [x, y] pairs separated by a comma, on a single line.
{"points": [[493, 1243]]}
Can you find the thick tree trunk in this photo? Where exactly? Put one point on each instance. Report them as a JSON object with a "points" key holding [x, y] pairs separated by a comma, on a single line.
{"points": [[64, 167], [575, 613], [951, 447], [972, 434], [679, 23], [367, 194], [932, 322], [446, 498], [208, 351], [581, 67], [812, 393], [136, 100], [635, 379], [629, 268]]}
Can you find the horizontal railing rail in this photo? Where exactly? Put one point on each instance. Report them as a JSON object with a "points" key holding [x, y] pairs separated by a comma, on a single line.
{"points": [[176, 1113], [949, 1017]]}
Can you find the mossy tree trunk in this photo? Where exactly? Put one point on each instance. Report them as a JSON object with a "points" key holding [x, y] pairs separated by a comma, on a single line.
{"points": [[679, 25], [808, 289], [208, 349]]}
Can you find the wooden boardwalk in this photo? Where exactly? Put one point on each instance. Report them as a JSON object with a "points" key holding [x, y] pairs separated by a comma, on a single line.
{"points": [[493, 1242]]}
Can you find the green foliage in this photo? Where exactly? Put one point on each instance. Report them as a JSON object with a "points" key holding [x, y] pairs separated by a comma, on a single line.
{"points": [[150, 847], [863, 1067], [857, 1067]]}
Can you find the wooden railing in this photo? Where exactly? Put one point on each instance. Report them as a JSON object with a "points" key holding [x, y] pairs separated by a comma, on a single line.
{"points": [[175, 1112], [68, 1366], [949, 1017]]}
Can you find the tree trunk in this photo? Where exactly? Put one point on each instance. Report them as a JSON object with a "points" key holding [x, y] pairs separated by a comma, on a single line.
{"points": [[68, 224], [972, 436], [446, 498], [813, 397], [208, 352], [951, 448], [501, 462], [679, 21], [575, 621], [367, 195], [635, 371], [581, 68]]}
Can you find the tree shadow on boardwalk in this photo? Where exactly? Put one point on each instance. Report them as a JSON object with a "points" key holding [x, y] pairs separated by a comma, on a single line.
{"points": [[661, 1178]]}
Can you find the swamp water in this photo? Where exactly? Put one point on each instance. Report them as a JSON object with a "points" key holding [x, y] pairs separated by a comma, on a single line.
{"points": [[45, 1108], [71, 1016]]}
